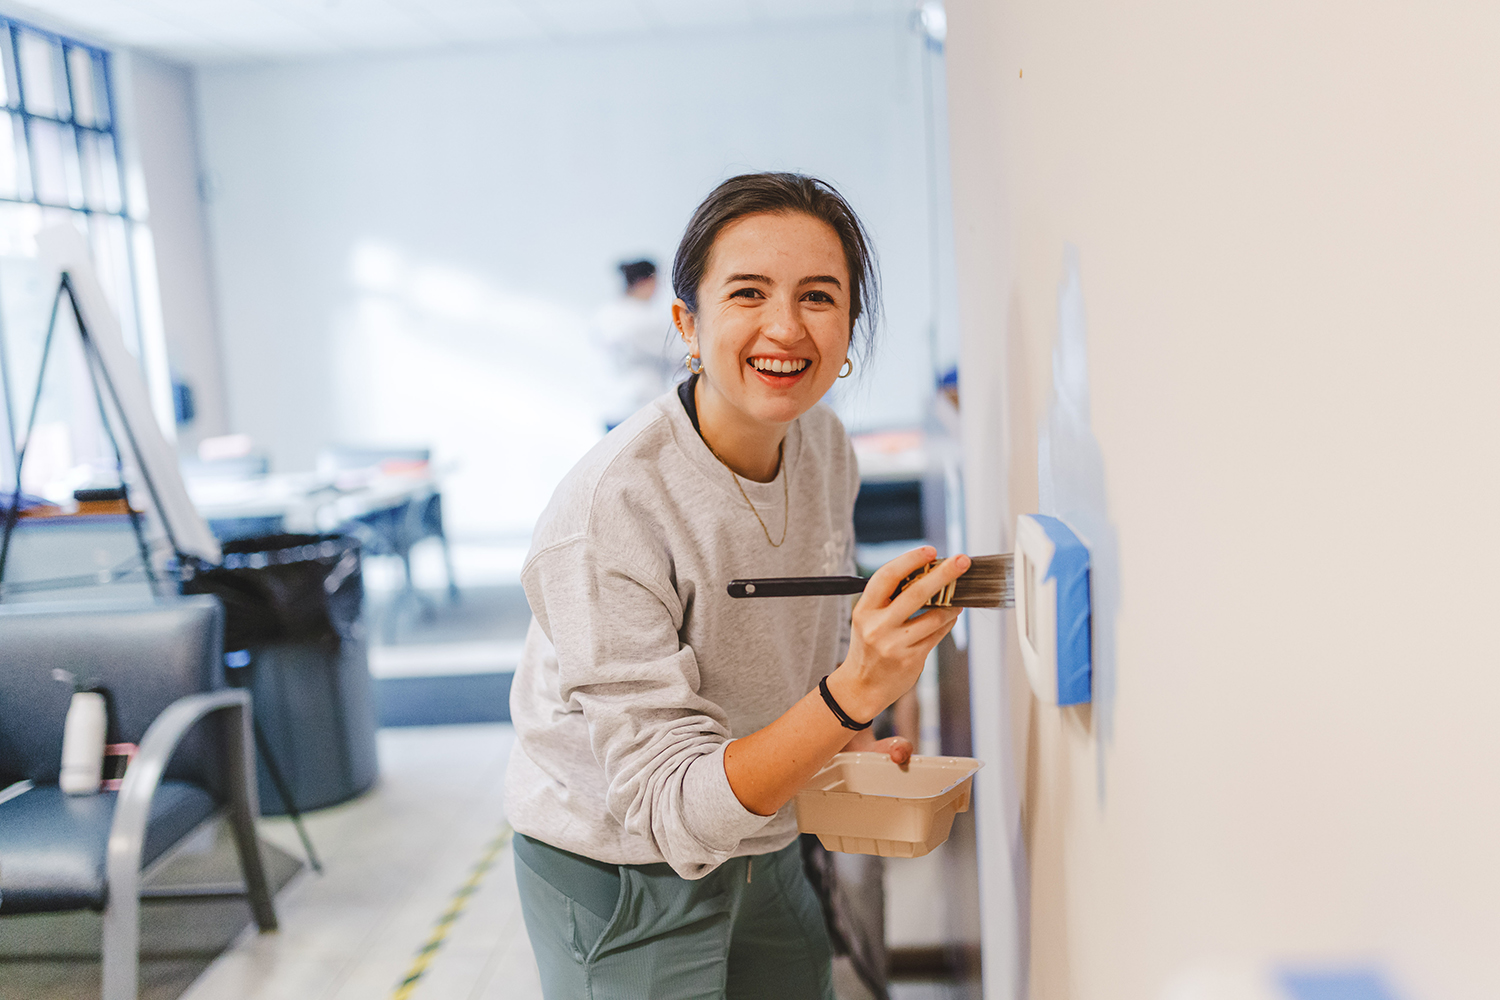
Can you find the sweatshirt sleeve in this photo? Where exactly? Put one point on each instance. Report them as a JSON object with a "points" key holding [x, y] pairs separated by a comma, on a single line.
{"points": [[621, 662]]}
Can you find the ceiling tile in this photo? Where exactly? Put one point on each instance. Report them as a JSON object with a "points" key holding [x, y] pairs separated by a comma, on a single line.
{"points": [[809, 10], [569, 18], [355, 22], [698, 13], [111, 21], [467, 21], [240, 19], [116, 23], [218, 30]]}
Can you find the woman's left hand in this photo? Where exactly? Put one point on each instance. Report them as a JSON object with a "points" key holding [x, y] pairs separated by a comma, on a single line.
{"points": [[897, 748]]}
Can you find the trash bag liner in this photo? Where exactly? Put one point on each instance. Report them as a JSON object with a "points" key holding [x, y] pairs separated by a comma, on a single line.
{"points": [[285, 588], [293, 615]]}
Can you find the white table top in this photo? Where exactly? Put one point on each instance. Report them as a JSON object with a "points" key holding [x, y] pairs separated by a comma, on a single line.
{"points": [[307, 501]]}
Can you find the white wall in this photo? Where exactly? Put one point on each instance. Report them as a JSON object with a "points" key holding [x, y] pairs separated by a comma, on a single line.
{"points": [[408, 247], [1289, 234], [162, 124]]}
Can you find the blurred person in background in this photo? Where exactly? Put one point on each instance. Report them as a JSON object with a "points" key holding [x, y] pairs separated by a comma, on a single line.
{"points": [[662, 727], [633, 330]]}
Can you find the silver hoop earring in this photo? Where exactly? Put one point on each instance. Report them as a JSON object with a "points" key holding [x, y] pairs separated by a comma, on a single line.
{"points": [[688, 361], [847, 364]]}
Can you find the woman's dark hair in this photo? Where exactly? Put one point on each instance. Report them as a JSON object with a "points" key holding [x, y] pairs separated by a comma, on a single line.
{"points": [[753, 194]]}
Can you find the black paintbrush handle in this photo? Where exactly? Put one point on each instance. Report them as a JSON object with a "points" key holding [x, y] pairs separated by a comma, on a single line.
{"points": [[797, 586]]}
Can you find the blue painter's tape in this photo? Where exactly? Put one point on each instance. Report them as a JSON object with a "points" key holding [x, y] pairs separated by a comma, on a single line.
{"points": [[1355, 984], [1075, 639]]}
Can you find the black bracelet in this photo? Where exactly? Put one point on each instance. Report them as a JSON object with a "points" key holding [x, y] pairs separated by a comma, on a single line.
{"points": [[833, 707]]}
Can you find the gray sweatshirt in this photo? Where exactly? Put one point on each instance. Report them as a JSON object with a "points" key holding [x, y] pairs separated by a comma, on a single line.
{"points": [[639, 669]]}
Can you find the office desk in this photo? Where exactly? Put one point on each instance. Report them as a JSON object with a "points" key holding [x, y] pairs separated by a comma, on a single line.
{"points": [[75, 557], [306, 502], [388, 513]]}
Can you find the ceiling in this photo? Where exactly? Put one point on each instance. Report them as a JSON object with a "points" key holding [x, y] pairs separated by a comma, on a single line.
{"points": [[216, 31]]}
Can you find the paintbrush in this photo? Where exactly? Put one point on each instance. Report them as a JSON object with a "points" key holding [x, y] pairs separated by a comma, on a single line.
{"points": [[987, 583]]}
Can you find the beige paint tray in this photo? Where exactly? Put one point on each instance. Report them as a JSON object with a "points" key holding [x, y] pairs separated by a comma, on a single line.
{"points": [[862, 803]]}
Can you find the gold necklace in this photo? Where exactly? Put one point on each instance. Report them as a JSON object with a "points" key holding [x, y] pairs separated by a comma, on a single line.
{"points": [[785, 493]]}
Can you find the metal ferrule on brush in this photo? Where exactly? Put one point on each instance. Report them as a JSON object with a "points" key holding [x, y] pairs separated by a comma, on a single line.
{"points": [[943, 598]]}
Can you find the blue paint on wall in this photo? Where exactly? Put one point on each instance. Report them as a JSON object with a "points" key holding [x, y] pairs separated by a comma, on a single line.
{"points": [[1355, 984], [1070, 569], [1070, 478]]}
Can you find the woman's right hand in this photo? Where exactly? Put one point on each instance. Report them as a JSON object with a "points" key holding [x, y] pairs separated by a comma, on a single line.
{"points": [[887, 646]]}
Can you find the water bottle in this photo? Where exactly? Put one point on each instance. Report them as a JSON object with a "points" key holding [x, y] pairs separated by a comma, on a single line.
{"points": [[83, 744]]}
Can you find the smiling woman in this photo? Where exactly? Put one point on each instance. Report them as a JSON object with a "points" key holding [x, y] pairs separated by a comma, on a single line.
{"points": [[771, 328], [663, 728]]}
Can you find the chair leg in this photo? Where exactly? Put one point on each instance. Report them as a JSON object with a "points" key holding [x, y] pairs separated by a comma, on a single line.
{"points": [[448, 562], [257, 887], [405, 553], [244, 807], [122, 941], [425, 608]]}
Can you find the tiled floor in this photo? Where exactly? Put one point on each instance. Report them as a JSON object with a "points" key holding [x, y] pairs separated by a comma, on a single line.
{"points": [[393, 860]]}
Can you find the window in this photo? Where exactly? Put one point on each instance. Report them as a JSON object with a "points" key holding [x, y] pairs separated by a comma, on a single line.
{"points": [[59, 157], [60, 163]]}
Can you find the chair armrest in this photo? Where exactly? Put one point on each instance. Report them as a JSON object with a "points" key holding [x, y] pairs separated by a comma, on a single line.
{"points": [[127, 832]]}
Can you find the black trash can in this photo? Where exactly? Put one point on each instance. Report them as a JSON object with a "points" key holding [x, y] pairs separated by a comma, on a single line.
{"points": [[294, 636]]}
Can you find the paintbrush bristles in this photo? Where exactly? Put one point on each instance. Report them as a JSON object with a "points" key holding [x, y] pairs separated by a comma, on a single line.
{"points": [[985, 584]]}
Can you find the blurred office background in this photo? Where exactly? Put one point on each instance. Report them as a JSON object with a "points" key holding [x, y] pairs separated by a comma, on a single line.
{"points": [[359, 251], [375, 224]]}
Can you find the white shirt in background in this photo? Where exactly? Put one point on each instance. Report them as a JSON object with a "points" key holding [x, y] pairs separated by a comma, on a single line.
{"points": [[642, 350]]}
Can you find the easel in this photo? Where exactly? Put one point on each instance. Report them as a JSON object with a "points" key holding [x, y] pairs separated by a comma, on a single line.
{"points": [[184, 563], [100, 382]]}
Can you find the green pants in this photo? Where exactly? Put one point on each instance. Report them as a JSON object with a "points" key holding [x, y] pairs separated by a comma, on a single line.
{"points": [[750, 929]]}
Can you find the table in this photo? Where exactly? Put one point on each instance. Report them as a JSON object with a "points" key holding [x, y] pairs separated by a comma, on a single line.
{"points": [[307, 502], [388, 512], [75, 557]]}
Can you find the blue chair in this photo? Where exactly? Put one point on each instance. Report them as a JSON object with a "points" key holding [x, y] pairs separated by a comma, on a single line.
{"points": [[395, 530], [163, 666], [229, 529]]}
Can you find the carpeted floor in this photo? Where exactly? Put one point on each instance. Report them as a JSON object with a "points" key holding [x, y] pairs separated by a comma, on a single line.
{"points": [[55, 956], [443, 700], [496, 612], [443, 662]]}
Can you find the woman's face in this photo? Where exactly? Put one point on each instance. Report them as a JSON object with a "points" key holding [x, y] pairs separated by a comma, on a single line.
{"points": [[772, 326]]}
